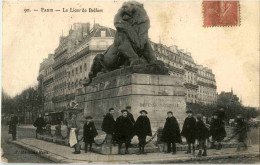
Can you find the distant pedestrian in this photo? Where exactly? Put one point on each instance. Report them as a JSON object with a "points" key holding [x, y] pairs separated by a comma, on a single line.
{"points": [[73, 127], [89, 133], [142, 129], [241, 129], [217, 131], [189, 132], [108, 125], [39, 124], [202, 133], [13, 124], [171, 133], [123, 130]]}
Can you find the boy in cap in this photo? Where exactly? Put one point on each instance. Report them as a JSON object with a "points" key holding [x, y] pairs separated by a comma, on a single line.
{"points": [[89, 132], [202, 135], [241, 130], [108, 124], [217, 130], [142, 129], [188, 131], [123, 130], [171, 133]]}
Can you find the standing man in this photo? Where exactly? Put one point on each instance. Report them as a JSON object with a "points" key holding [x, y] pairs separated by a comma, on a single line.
{"points": [[89, 133], [142, 129], [12, 126], [202, 135], [123, 130], [74, 132], [241, 130], [108, 124], [188, 131], [39, 124], [171, 133], [217, 130]]}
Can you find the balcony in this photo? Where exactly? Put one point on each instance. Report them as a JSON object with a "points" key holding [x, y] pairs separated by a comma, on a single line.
{"points": [[207, 85], [98, 47], [191, 86], [190, 68], [59, 63]]}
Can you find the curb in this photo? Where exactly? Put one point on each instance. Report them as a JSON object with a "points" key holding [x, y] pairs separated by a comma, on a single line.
{"points": [[60, 159]]}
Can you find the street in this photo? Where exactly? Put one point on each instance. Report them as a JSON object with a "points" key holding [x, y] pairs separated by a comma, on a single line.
{"points": [[15, 154]]}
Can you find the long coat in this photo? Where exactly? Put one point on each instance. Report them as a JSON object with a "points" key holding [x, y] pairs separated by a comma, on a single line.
{"points": [[123, 128], [217, 129], [39, 123], [171, 131], [188, 129], [142, 127], [89, 132], [108, 124], [202, 132], [12, 124], [241, 129]]}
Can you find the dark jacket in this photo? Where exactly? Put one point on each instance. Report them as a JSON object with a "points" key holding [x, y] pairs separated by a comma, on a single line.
{"points": [[171, 131], [188, 129], [14, 121], [142, 127], [39, 123], [217, 129], [108, 124], [241, 130], [89, 132], [202, 132], [123, 127]]}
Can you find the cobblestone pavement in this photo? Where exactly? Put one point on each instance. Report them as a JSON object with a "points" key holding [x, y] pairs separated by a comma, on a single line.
{"points": [[15, 154]]}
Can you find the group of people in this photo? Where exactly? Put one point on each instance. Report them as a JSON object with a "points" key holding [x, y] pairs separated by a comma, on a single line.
{"points": [[124, 128]]}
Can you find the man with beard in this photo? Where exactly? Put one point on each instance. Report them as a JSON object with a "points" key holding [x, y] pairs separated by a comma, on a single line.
{"points": [[188, 131], [171, 133], [108, 124], [217, 130], [123, 130], [142, 129]]}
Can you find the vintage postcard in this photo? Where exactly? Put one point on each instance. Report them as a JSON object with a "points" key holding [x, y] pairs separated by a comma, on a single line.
{"points": [[130, 82]]}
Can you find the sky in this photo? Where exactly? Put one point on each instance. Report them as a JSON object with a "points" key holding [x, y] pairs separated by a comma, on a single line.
{"points": [[231, 52]]}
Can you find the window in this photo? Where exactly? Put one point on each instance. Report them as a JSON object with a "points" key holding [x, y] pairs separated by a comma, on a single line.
{"points": [[72, 73], [80, 68], [85, 66], [103, 33], [69, 74], [76, 70]]}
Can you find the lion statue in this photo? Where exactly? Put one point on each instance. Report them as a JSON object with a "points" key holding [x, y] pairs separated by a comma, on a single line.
{"points": [[131, 43]]}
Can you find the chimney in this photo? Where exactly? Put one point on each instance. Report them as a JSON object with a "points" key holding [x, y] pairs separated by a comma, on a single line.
{"points": [[188, 53]]}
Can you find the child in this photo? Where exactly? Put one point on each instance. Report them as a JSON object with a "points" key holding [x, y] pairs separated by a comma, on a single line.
{"points": [[241, 130], [142, 129], [89, 132], [202, 134], [188, 131]]}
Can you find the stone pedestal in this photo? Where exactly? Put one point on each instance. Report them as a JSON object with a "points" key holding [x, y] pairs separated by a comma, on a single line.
{"points": [[157, 94]]}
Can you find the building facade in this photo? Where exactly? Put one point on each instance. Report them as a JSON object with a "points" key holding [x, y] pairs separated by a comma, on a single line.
{"points": [[207, 92]]}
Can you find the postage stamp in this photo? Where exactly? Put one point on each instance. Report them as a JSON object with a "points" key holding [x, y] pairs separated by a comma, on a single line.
{"points": [[221, 13]]}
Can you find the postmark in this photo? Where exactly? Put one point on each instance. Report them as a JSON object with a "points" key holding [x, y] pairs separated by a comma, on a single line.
{"points": [[221, 13]]}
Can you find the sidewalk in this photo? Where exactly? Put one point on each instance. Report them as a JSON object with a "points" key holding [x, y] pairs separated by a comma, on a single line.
{"points": [[63, 154]]}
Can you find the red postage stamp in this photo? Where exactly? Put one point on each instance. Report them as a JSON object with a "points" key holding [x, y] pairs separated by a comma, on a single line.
{"points": [[221, 13]]}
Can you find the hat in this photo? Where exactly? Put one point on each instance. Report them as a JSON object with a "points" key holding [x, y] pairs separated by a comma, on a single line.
{"points": [[169, 112], [189, 111], [88, 117], [199, 116], [128, 107], [110, 109], [144, 111], [124, 110]]}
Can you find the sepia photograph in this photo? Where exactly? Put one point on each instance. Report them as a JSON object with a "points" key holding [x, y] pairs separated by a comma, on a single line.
{"points": [[130, 82]]}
